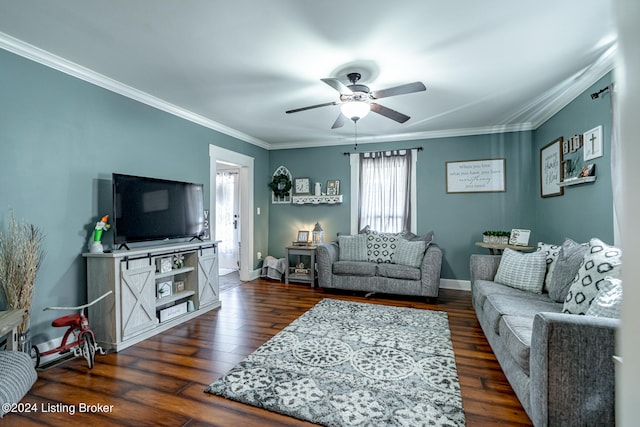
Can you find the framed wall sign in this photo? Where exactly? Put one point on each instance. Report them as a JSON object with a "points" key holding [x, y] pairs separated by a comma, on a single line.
{"points": [[476, 176], [550, 169]]}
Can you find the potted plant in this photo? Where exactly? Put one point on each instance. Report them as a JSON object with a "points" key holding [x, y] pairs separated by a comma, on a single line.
{"points": [[21, 254], [501, 237]]}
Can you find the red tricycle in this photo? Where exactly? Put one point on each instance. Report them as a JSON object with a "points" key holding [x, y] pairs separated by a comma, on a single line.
{"points": [[83, 341]]}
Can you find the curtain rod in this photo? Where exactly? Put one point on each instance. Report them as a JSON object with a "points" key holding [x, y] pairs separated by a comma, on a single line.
{"points": [[596, 95], [346, 153]]}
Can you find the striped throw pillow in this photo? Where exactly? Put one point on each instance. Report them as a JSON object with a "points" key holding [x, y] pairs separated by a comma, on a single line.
{"points": [[522, 271], [353, 248], [409, 253]]}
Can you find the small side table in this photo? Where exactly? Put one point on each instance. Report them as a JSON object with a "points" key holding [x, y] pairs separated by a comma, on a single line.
{"points": [[9, 321], [499, 247], [293, 274]]}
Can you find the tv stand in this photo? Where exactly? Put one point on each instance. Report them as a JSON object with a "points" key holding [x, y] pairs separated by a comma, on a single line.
{"points": [[123, 246], [138, 308]]}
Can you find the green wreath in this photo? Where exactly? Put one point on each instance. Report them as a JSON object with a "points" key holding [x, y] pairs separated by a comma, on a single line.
{"points": [[280, 185]]}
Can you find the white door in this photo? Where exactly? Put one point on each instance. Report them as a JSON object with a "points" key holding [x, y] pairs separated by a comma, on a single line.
{"points": [[228, 218]]}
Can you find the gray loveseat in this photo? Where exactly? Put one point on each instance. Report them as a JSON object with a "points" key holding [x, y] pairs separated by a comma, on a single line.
{"points": [[559, 365], [423, 279]]}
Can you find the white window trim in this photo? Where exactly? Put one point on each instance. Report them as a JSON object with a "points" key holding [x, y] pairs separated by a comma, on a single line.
{"points": [[354, 160]]}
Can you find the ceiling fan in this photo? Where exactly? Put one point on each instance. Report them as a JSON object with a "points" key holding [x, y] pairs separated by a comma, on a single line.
{"points": [[356, 100]]}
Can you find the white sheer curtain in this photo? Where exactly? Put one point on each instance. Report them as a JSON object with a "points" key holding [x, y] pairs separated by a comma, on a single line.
{"points": [[225, 182], [385, 189]]}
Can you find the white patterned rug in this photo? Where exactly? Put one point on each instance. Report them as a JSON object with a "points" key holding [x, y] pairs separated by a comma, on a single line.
{"points": [[354, 364]]}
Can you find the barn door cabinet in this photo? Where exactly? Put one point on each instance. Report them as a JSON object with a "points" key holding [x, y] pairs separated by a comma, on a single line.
{"points": [[154, 288]]}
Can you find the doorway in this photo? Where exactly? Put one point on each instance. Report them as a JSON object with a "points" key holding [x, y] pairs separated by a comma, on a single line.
{"points": [[246, 176], [227, 227]]}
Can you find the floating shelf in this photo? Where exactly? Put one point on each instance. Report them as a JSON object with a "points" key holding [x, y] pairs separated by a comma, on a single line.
{"points": [[316, 200], [577, 181]]}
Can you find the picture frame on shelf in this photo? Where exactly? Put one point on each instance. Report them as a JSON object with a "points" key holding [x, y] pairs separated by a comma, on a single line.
{"points": [[179, 285], [333, 187], [164, 265], [550, 169], [164, 288], [587, 170], [519, 237], [302, 186], [303, 238]]}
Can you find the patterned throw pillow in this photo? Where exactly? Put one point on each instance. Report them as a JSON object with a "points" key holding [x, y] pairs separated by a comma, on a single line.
{"points": [[381, 246], [608, 300], [566, 268], [599, 262], [551, 253], [353, 248], [409, 253], [522, 271]]}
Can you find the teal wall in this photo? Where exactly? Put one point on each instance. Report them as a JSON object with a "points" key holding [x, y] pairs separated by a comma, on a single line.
{"points": [[458, 220], [61, 140], [586, 210]]}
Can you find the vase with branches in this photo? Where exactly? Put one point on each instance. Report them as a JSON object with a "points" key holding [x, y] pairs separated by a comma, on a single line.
{"points": [[21, 255]]}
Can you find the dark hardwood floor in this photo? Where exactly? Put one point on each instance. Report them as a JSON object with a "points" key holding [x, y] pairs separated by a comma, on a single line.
{"points": [[161, 381]]}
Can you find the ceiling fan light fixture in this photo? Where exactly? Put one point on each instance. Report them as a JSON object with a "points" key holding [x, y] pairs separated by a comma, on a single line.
{"points": [[355, 110]]}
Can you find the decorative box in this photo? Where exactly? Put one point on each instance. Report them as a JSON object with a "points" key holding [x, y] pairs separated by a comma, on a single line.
{"points": [[173, 311]]}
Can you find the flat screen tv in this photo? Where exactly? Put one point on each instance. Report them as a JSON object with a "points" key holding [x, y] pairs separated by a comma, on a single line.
{"points": [[146, 209]]}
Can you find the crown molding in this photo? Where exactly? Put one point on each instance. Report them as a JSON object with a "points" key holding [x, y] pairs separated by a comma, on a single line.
{"points": [[50, 60], [564, 93]]}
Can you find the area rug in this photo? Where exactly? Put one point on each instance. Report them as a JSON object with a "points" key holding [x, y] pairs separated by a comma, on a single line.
{"points": [[354, 364]]}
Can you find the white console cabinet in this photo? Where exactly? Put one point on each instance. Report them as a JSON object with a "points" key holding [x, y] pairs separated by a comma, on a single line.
{"points": [[147, 287]]}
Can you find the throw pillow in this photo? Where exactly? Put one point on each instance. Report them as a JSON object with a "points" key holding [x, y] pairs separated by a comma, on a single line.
{"points": [[353, 248], [409, 253], [599, 262], [551, 253], [566, 268], [427, 237], [381, 246], [522, 271], [608, 300]]}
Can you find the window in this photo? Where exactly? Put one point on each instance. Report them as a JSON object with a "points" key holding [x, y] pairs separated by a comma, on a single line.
{"points": [[385, 196]]}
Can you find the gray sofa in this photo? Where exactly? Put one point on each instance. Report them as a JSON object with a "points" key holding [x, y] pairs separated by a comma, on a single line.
{"points": [[385, 278], [559, 365]]}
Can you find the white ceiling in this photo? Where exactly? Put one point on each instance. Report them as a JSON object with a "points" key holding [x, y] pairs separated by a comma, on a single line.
{"points": [[237, 66]]}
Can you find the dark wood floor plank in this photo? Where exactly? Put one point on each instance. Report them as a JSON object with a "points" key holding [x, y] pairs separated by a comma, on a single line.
{"points": [[161, 381]]}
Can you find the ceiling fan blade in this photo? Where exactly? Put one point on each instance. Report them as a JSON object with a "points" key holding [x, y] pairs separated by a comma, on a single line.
{"points": [[326, 104], [339, 122], [338, 85], [398, 90], [388, 112]]}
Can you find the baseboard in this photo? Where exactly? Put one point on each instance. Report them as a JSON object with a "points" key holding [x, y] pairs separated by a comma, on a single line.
{"points": [[460, 285], [50, 345], [255, 274]]}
